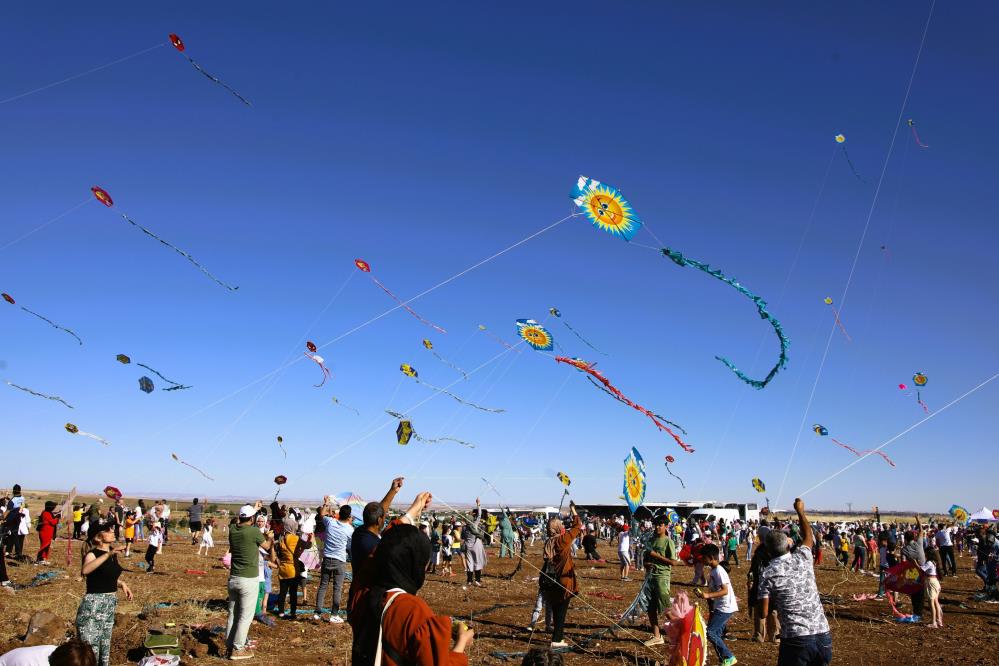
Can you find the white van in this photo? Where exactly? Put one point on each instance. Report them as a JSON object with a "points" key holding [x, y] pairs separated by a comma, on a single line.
{"points": [[730, 512]]}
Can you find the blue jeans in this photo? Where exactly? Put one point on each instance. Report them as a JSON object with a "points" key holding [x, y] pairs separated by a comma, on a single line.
{"points": [[814, 650], [716, 633]]}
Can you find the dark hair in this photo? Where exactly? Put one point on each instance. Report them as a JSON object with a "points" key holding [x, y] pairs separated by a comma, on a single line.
{"points": [[344, 512], [542, 657], [709, 551], [16, 488], [195, 500], [73, 652], [373, 514]]}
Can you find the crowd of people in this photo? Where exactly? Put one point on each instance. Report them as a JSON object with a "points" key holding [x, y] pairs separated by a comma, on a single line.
{"points": [[386, 560]]}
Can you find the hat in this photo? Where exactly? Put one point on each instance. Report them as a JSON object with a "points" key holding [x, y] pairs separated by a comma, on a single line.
{"points": [[99, 525], [247, 511]]}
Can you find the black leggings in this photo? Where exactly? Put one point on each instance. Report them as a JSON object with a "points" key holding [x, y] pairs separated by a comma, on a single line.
{"points": [[288, 586], [477, 574], [559, 606], [151, 557]]}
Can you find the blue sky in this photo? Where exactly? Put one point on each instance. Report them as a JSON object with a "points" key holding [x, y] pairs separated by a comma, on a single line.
{"points": [[426, 138]]}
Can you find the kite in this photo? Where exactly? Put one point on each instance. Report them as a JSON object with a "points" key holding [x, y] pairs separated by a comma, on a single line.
{"points": [[404, 432], [915, 135], [564, 478], [40, 395], [280, 442], [919, 379], [828, 301], [177, 458], [10, 299], [558, 315], [318, 360], [534, 334], [841, 140], [496, 337], [73, 430], [759, 486], [365, 267], [959, 514], [146, 384], [427, 344], [125, 360], [589, 369], [105, 199], [337, 402], [634, 480], [761, 308], [995, 513], [686, 632], [179, 45], [113, 493], [280, 480], [822, 431], [606, 208], [410, 371], [671, 459]]}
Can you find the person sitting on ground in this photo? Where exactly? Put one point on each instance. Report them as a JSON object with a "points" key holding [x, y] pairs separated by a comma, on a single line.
{"points": [[590, 546]]}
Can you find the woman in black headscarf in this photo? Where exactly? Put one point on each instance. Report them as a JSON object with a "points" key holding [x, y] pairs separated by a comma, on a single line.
{"points": [[394, 627]]}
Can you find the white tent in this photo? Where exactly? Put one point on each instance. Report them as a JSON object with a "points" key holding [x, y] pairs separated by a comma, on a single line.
{"points": [[983, 516]]}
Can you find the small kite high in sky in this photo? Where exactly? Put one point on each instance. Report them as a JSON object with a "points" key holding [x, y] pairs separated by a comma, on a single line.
{"points": [[829, 301], [105, 198], [178, 459], [10, 299], [336, 401], [54, 398], [670, 460], [590, 369], [404, 432], [759, 486], [822, 431], [146, 384], [318, 360], [280, 443], [495, 337], [410, 371], [634, 480], [365, 267], [534, 334], [555, 312], [427, 344], [176, 386], [178, 44], [841, 140], [73, 430], [564, 478], [915, 135], [919, 379]]}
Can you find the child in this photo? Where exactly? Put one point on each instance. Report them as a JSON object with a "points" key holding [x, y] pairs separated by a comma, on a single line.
{"points": [[624, 551], [931, 583], [207, 542], [723, 606], [155, 546], [732, 546], [130, 522], [447, 541]]}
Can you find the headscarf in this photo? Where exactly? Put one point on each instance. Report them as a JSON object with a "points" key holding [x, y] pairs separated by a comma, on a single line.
{"points": [[400, 561], [555, 530]]}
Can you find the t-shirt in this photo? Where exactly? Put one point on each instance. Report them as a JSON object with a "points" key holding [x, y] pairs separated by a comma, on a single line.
{"points": [[733, 543], [943, 538], [37, 655], [663, 546], [337, 537], [165, 512], [624, 542], [243, 543], [789, 583], [77, 515], [362, 542], [716, 580], [155, 539], [104, 578], [930, 568], [194, 512]]}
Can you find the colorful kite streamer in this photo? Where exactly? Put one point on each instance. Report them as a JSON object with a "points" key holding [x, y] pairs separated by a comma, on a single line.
{"points": [[410, 371], [280, 443], [558, 315], [10, 299], [589, 369], [105, 198], [634, 480], [671, 459], [606, 208], [919, 379], [318, 360], [427, 344], [40, 395], [179, 45], [535, 335], [658, 416], [365, 267], [822, 431], [177, 458], [404, 432], [761, 308], [915, 135], [73, 430], [841, 140], [829, 301]]}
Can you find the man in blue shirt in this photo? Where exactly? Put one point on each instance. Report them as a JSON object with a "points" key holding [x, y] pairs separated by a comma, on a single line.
{"points": [[338, 532]]}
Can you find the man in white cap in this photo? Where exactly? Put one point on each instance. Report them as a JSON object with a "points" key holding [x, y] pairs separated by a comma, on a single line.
{"points": [[244, 540]]}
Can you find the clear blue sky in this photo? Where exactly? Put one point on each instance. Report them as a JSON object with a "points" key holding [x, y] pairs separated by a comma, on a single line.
{"points": [[425, 138]]}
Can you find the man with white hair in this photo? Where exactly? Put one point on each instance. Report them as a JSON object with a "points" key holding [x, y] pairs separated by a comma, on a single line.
{"points": [[788, 582]]}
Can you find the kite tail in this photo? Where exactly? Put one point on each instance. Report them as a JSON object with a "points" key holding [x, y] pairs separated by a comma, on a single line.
{"points": [[337, 402], [915, 135], [886, 458], [585, 341], [761, 307], [180, 252], [494, 410], [93, 436], [919, 399], [438, 440], [840, 324], [449, 364], [182, 462], [682, 484], [177, 386], [852, 168], [217, 80], [406, 307], [658, 416], [847, 447], [41, 395], [53, 324]]}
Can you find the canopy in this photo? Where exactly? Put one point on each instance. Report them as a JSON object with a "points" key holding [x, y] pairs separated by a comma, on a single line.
{"points": [[984, 515]]}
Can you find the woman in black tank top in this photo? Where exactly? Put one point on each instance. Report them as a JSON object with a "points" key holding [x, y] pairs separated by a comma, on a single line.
{"points": [[95, 617]]}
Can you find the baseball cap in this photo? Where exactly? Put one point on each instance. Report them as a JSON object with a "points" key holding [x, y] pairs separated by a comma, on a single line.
{"points": [[247, 511]]}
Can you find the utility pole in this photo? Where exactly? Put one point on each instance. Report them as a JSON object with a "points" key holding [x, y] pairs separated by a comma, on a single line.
{"points": [[849, 506]]}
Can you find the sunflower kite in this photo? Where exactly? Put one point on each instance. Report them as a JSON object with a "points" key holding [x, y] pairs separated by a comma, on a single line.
{"points": [[534, 334], [634, 480]]}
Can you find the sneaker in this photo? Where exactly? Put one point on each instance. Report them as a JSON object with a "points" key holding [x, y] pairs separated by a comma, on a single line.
{"points": [[559, 644], [317, 617], [654, 641], [731, 661], [478, 584], [336, 619], [245, 653]]}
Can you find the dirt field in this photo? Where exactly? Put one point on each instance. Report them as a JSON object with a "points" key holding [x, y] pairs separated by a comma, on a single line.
{"points": [[863, 633]]}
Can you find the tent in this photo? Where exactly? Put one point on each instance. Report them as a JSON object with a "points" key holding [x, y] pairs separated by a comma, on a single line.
{"points": [[984, 515]]}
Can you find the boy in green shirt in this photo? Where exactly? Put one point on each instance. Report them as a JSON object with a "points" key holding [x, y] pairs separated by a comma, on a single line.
{"points": [[659, 561]]}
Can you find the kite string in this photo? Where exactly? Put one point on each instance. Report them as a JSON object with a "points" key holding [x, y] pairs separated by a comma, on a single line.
{"points": [[915, 425], [45, 224], [860, 245]]}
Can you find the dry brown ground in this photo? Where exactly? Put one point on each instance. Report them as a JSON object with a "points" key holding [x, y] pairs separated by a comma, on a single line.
{"points": [[863, 633]]}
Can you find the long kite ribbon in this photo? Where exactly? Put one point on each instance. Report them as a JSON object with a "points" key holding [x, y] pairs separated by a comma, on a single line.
{"points": [[408, 309], [53, 324], [177, 386], [761, 307], [588, 368], [40, 395], [494, 410], [177, 458], [860, 454], [428, 440], [321, 362]]}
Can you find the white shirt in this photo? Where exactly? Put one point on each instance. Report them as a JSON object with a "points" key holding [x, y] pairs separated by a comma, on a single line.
{"points": [[165, 512], [28, 656], [930, 569], [624, 542], [717, 579], [943, 537], [155, 539], [25, 527]]}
